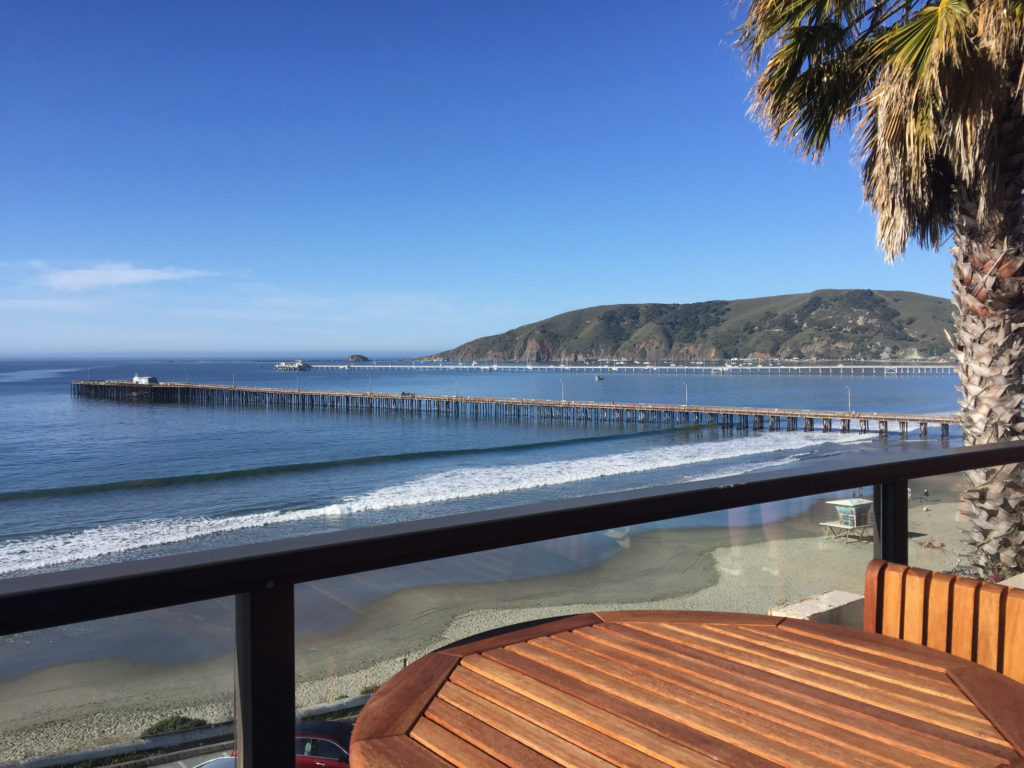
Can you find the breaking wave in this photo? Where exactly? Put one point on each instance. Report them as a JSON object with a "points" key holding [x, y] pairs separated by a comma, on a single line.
{"points": [[701, 460]]}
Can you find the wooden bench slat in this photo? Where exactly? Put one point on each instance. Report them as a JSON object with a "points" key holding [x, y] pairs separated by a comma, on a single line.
{"points": [[892, 607], [974, 620], [1013, 636], [915, 605], [940, 611], [873, 596], [990, 618], [964, 626]]}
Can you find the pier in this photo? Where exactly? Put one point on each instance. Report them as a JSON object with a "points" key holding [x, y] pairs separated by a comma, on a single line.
{"points": [[690, 369], [519, 409]]}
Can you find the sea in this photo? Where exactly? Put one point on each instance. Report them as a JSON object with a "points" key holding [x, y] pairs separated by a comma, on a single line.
{"points": [[87, 482]]}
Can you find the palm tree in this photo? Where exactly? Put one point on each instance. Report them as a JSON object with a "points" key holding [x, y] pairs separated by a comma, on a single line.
{"points": [[934, 91]]}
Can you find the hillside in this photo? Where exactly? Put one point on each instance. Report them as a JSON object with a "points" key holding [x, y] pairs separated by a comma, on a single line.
{"points": [[825, 324]]}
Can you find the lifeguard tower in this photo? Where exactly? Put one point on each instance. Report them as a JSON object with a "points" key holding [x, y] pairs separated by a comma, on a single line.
{"points": [[855, 520]]}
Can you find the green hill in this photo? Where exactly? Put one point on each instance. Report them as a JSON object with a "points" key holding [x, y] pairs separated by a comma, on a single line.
{"points": [[825, 324]]}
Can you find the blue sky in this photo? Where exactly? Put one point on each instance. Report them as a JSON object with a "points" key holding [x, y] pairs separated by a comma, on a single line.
{"points": [[329, 178]]}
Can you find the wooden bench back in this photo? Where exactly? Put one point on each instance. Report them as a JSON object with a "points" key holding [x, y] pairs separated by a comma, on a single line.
{"points": [[968, 618]]}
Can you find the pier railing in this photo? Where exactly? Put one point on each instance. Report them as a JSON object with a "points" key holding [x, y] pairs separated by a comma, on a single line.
{"points": [[262, 577], [727, 417]]}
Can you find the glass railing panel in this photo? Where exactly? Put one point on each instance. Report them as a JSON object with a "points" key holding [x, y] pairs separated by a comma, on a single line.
{"points": [[936, 524], [354, 632], [157, 681]]}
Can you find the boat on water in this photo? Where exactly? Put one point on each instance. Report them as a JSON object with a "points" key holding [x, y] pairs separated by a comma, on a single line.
{"points": [[294, 365], [599, 378]]}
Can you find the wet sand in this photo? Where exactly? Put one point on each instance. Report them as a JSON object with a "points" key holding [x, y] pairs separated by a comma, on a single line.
{"points": [[90, 703]]}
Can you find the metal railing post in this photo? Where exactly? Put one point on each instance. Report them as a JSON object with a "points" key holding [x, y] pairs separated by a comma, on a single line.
{"points": [[891, 521], [265, 676]]}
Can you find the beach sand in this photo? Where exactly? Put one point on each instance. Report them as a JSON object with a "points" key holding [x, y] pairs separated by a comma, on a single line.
{"points": [[85, 704]]}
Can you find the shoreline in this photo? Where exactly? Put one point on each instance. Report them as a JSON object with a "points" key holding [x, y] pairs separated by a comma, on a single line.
{"points": [[72, 706]]}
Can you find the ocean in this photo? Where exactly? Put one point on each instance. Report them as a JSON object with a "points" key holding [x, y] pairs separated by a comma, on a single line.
{"points": [[85, 482]]}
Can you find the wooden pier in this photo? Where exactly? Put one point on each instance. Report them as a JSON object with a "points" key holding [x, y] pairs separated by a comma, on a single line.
{"points": [[518, 409], [689, 369]]}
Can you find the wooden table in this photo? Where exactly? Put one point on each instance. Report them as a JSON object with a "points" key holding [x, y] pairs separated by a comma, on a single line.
{"points": [[654, 688]]}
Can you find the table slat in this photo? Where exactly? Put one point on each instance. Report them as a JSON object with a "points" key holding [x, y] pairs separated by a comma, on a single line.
{"points": [[997, 697], [588, 727], [496, 744], [450, 747], [536, 738], [400, 701], [842, 682], [395, 752], [887, 675], [859, 661], [752, 676], [635, 715], [883, 646], [885, 741], [558, 706], [756, 735]]}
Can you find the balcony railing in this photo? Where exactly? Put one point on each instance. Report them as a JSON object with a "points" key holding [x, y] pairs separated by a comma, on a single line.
{"points": [[262, 576]]}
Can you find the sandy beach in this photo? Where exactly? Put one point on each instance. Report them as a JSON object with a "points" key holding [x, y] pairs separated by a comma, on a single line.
{"points": [[85, 704]]}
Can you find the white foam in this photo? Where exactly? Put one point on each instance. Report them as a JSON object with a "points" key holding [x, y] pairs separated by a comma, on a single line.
{"points": [[489, 481], [754, 452]]}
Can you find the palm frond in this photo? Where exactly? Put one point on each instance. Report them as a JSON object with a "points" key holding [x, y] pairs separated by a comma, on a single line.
{"points": [[915, 48], [935, 87]]}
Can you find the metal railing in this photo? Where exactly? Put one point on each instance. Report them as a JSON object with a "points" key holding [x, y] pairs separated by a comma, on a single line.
{"points": [[262, 576]]}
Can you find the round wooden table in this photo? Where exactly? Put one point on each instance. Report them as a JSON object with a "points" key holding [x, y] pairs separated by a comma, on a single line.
{"points": [[655, 688]]}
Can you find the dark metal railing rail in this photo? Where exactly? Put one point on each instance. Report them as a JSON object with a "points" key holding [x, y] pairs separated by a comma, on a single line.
{"points": [[263, 576]]}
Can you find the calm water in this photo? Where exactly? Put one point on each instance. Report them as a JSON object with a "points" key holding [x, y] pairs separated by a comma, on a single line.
{"points": [[85, 482]]}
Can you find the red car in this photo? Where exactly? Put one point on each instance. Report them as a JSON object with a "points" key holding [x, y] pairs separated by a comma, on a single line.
{"points": [[318, 744], [322, 743]]}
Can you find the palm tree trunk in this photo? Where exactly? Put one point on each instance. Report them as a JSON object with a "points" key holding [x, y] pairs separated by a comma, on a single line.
{"points": [[988, 343]]}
